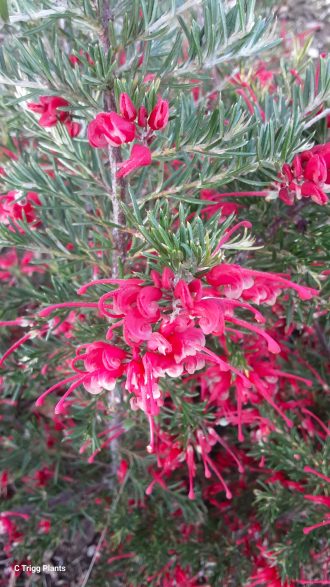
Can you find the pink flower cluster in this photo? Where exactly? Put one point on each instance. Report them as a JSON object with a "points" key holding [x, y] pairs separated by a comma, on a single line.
{"points": [[228, 398], [307, 176], [266, 380], [171, 456], [11, 265], [110, 128], [14, 207], [51, 109], [159, 329], [9, 528], [318, 499]]}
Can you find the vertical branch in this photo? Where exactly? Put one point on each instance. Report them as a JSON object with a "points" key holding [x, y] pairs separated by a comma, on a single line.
{"points": [[105, 19], [117, 190], [117, 193]]}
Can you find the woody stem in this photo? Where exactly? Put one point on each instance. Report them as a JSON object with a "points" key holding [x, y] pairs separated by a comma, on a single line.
{"points": [[116, 191], [117, 195]]}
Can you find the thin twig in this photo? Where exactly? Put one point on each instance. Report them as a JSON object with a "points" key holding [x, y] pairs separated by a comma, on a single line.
{"points": [[117, 192], [316, 118], [97, 549], [196, 185], [170, 17], [101, 539], [322, 338]]}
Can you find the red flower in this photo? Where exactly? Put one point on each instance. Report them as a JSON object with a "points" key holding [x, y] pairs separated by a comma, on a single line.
{"points": [[42, 476], [48, 108], [122, 471], [306, 176], [158, 118], [268, 575], [73, 128], [319, 499], [13, 208], [8, 527], [4, 482], [108, 128], [44, 526], [74, 60], [265, 77], [165, 324], [10, 260], [140, 157], [257, 286], [127, 108], [103, 365]]}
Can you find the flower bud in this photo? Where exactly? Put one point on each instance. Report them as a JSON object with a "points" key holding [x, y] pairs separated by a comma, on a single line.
{"points": [[73, 128], [158, 118], [142, 116], [127, 108]]}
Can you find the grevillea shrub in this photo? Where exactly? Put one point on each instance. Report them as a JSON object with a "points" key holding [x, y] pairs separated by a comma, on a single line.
{"points": [[164, 234]]}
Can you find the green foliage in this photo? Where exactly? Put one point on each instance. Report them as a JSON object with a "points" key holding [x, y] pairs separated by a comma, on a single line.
{"points": [[192, 49], [277, 505], [194, 248], [4, 13]]}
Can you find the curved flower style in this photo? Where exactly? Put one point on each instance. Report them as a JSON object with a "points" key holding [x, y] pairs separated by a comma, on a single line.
{"points": [[319, 499], [265, 377], [172, 456], [103, 365]]}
